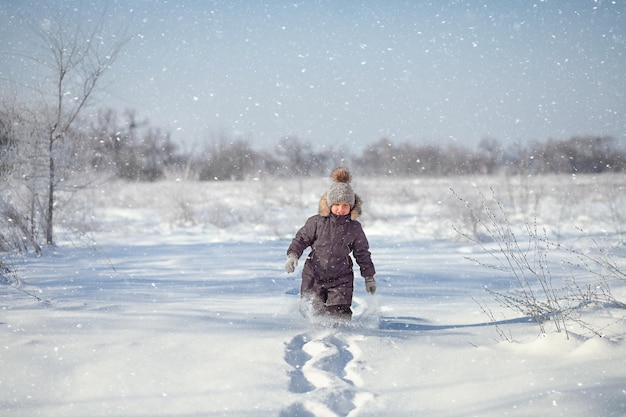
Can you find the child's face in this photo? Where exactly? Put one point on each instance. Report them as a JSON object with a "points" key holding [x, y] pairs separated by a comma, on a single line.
{"points": [[340, 209]]}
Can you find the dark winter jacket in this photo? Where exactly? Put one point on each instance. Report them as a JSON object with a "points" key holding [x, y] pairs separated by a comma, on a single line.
{"points": [[332, 239]]}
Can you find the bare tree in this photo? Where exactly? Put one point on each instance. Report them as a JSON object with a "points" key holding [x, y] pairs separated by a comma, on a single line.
{"points": [[76, 53]]}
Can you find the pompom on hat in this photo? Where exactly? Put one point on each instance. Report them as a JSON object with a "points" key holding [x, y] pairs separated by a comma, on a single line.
{"points": [[340, 191]]}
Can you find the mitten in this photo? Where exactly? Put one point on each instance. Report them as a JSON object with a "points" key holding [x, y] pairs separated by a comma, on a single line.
{"points": [[292, 262], [370, 285]]}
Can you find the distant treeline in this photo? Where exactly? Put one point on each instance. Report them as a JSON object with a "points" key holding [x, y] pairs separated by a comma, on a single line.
{"points": [[238, 160], [123, 147], [42, 167]]}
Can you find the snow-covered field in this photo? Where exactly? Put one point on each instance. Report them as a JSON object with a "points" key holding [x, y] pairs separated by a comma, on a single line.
{"points": [[170, 299]]}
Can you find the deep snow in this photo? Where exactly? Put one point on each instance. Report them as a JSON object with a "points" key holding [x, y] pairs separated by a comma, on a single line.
{"points": [[177, 304]]}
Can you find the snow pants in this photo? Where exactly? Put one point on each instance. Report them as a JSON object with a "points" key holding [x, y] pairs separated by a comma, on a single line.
{"points": [[332, 298]]}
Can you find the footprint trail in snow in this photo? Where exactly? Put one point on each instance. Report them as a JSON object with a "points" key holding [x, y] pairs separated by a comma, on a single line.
{"points": [[326, 366]]}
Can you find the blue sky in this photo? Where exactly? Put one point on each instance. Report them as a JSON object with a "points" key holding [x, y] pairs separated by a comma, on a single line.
{"points": [[349, 73]]}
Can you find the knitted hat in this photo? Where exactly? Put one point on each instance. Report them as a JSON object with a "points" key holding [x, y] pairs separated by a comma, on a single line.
{"points": [[340, 191]]}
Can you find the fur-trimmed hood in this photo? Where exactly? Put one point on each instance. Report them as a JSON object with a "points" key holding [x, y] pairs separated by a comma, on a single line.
{"points": [[355, 212]]}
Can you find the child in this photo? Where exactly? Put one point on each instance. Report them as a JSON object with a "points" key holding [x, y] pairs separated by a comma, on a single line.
{"points": [[334, 233]]}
